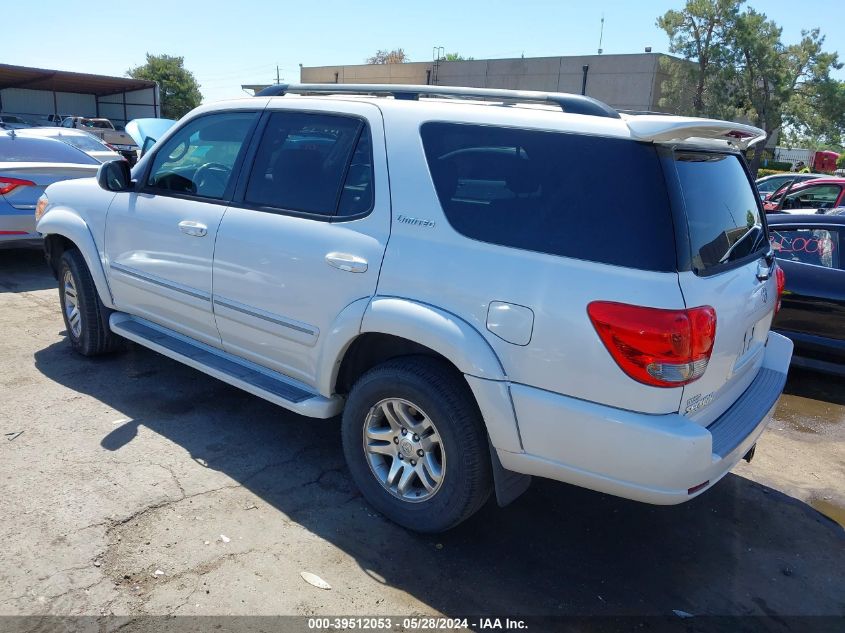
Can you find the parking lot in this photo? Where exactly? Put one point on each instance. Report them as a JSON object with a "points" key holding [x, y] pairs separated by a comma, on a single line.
{"points": [[134, 485]]}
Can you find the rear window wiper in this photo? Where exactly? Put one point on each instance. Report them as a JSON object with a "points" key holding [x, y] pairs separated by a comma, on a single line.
{"points": [[756, 228]]}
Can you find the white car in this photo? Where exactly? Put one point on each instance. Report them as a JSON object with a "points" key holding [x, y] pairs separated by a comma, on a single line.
{"points": [[79, 139], [455, 277]]}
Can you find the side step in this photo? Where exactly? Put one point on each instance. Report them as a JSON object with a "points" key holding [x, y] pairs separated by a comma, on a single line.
{"points": [[257, 380]]}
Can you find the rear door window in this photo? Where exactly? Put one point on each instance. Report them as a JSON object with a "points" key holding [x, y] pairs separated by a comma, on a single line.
{"points": [[587, 197], [312, 163], [723, 217]]}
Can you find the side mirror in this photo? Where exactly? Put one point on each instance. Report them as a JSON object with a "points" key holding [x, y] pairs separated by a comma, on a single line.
{"points": [[115, 176], [148, 143]]}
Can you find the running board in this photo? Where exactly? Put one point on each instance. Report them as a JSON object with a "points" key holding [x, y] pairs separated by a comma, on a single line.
{"points": [[257, 380]]}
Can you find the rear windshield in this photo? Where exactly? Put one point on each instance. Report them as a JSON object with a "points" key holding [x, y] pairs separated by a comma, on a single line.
{"points": [[85, 143], [721, 208], [586, 197], [19, 149]]}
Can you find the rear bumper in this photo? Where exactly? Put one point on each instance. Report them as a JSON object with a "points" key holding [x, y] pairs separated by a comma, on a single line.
{"points": [[16, 225], [651, 458]]}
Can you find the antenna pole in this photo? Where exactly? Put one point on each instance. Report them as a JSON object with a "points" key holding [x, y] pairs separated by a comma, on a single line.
{"points": [[601, 33]]}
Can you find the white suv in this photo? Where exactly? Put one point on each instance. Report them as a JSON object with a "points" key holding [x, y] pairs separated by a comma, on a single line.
{"points": [[488, 286]]}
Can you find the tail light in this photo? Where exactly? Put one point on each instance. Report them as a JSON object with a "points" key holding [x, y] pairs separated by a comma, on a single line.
{"points": [[8, 184], [662, 348], [780, 276]]}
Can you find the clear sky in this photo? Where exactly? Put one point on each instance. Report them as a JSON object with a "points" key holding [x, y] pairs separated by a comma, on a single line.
{"points": [[226, 44]]}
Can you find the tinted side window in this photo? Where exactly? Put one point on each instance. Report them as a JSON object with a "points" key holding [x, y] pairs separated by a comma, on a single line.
{"points": [[199, 158], [302, 163], [357, 194], [587, 197], [722, 214], [808, 246]]}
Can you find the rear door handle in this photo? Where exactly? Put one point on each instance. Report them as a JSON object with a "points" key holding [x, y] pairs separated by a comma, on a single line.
{"points": [[764, 271], [347, 262], [194, 229]]}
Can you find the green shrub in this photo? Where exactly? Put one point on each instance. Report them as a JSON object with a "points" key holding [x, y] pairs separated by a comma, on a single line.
{"points": [[778, 165], [840, 162], [768, 172]]}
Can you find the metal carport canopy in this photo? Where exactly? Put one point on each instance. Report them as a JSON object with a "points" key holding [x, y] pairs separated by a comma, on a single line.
{"points": [[65, 81]]}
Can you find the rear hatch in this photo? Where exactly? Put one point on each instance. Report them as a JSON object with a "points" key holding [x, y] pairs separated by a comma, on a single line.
{"points": [[725, 263], [25, 196]]}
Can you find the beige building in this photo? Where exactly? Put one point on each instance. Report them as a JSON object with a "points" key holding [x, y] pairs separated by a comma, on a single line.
{"points": [[626, 82]]}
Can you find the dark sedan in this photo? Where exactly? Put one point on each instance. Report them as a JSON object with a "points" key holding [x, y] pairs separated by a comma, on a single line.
{"points": [[809, 249]]}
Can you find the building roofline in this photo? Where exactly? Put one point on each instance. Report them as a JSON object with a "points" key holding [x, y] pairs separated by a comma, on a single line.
{"points": [[26, 77]]}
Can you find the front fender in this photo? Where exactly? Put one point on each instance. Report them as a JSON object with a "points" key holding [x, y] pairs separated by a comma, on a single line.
{"points": [[64, 222]]}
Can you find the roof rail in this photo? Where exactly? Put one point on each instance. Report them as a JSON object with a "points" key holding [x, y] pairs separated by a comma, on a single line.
{"points": [[574, 104], [642, 112]]}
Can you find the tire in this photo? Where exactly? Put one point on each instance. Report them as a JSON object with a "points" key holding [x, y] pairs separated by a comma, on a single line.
{"points": [[425, 395], [86, 318]]}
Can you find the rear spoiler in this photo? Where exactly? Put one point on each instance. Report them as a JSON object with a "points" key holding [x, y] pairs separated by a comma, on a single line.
{"points": [[664, 129]]}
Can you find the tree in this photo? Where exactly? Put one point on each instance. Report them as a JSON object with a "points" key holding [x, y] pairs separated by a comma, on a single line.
{"points": [[396, 56], [455, 57], [741, 69], [178, 88], [700, 32], [778, 83]]}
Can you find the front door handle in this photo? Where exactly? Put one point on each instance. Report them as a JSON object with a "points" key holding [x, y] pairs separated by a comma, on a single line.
{"points": [[194, 229], [347, 262]]}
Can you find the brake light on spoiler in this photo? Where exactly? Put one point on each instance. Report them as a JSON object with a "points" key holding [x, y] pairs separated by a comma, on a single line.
{"points": [[675, 129], [657, 347]]}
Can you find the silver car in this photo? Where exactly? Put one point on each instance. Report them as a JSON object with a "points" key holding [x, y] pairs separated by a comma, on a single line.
{"points": [[79, 139], [27, 166], [11, 122]]}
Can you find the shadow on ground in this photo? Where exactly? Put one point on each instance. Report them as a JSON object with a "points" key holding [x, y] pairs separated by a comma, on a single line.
{"points": [[810, 384], [741, 548], [23, 270]]}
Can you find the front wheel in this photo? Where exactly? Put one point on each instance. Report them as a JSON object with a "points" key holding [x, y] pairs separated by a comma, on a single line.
{"points": [[86, 318], [415, 444]]}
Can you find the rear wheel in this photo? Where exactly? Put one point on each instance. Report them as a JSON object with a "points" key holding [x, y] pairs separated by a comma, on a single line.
{"points": [[415, 444], [86, 318]]}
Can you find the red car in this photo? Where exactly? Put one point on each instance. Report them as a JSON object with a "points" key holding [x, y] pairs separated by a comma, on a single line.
{"points": [[810, 195]]}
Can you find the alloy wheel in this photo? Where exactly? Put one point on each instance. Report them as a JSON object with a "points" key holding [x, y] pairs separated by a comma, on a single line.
{"points": [[74, 318], [404, 450]]}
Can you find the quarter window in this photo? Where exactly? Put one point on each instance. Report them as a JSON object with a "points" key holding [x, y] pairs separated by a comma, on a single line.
{"points": [[312, 163], [198, 160], [586, 197]]}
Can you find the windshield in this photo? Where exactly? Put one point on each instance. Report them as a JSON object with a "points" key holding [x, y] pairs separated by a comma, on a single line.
{"points": [[773, 183], [95, 123], [722, 211]]}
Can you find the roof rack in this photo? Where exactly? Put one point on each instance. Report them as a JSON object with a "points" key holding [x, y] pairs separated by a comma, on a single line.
{"points": [[643, 112], [574, 104]]}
